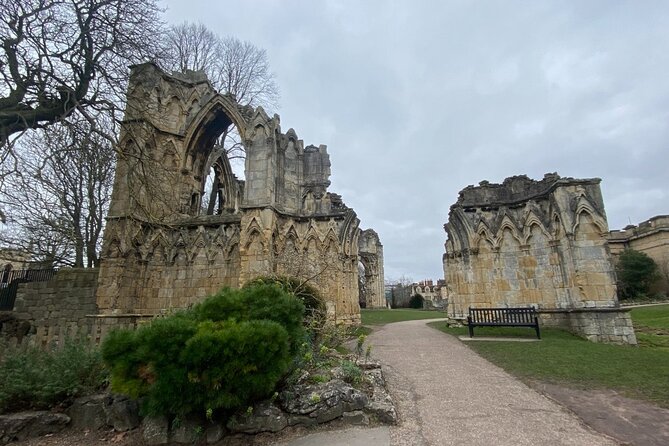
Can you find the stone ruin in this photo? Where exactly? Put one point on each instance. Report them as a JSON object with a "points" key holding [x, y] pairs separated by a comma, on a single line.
{"points": [[370, 252], [167, 246], [536, 243], [163, 249]]}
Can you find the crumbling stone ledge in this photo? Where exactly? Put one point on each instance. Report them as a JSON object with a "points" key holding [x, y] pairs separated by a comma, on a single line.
{"points": [[303, 404]]}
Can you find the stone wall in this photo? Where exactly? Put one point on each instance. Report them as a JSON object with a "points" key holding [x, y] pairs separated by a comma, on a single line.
{"points": [[610, 325], [48, 313], [310, 249], [650, 237], [529, 243], [146, 269], [57, 309]]}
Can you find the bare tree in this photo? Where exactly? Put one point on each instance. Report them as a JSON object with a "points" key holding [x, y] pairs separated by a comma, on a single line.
{"points": [[58, 199], [192, 46], [233, 66], [244, 72], [64, 55], [400, 290]]}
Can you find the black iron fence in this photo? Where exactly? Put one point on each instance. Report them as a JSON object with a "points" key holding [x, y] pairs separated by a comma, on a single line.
{"points": [[10, 281]]}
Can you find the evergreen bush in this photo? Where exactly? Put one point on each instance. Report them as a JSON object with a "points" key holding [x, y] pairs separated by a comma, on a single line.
{"points": [[311, 298], [636, 273], [259, 301], [223, 354]]}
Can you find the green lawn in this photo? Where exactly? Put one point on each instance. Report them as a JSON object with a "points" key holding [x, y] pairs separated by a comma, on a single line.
{"points": [[381, 317], [560, 357], [655, 316], [652, 326]]}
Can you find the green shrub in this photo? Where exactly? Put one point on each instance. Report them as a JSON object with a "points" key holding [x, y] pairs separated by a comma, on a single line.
{"points": [[310, 297], [636, 273], [223, 354], [31, 378], [255, 353], [136, 357], [416, 301], [352, 373], [256, 302]]}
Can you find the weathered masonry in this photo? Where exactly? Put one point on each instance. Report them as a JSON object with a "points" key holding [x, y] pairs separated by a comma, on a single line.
{"points": [[536, 243], [163, 248]]}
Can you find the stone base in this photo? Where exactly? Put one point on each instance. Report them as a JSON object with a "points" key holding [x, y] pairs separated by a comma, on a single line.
{"points": [[608, 325]]}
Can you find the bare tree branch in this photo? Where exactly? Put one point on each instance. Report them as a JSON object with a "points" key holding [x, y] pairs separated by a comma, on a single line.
{"points": [[63, 55], [233, 66]]}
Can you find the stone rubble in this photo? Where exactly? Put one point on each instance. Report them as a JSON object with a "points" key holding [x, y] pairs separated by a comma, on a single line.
{"points": [[24, 425], [304, 404]]}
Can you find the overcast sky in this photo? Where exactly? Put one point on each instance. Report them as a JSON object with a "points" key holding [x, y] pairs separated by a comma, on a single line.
{"points": [[418, 99]]}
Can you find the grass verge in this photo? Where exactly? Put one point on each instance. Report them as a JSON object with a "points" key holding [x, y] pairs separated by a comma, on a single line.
{"points": [[562, 358], [652, 326], [383, 316]]}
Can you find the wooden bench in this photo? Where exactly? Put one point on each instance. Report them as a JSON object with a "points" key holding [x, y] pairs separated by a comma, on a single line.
{"points": [[503, 317]]}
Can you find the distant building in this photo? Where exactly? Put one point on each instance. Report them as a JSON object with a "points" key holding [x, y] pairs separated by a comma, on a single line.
{"points": [[12, 260], [650, 237], [435, 296]]}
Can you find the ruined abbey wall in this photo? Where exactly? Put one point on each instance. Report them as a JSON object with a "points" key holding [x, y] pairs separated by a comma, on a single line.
{"points": [[371, 256], [161, 251], [530, 243]]}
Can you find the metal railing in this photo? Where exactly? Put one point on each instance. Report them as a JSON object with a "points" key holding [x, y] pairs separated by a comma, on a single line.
{"points": [[10, 281]]}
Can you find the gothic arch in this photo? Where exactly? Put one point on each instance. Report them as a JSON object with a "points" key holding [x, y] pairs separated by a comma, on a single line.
{"points": [[507, 223], [208, 124], [584, 207], [482, 233], [531, 221]]}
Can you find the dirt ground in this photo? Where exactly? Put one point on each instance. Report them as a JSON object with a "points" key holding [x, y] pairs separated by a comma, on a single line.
{"points": [[631, 422]]}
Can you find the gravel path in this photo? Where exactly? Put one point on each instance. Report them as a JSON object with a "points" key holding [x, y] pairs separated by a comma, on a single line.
{"points": [[446, 394]]}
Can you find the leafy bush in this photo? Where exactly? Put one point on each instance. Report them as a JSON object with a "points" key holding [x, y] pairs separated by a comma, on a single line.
{"points": [[136, 358], [416, 301], [636, 273], [225, 353], [31, 378]]}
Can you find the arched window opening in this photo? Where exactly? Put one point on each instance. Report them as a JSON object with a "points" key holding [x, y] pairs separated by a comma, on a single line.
{"points": [[221, 190], [362, 285], [219, 161]]}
